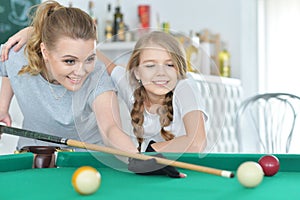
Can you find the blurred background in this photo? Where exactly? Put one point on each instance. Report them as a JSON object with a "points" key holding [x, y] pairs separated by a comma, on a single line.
{"points": [[253, 43]]}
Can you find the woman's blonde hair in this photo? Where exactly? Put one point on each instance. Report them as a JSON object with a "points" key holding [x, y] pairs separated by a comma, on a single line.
{"points": [[52, 21], [177, 54]]}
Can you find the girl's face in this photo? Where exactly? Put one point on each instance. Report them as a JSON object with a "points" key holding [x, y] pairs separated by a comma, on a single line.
{"points": [[156, 71], [70, 63]]}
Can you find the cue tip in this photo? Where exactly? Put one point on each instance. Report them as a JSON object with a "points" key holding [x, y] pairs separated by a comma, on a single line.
{"points": [[227, 174]]}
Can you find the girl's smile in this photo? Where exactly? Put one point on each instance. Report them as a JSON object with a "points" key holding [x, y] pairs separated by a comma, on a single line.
{"points": [[156, 71]]}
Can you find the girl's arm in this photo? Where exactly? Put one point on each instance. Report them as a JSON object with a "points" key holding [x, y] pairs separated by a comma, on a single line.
{"points": [[193, 141], [188, 100], [18, 40], [6, 95]]}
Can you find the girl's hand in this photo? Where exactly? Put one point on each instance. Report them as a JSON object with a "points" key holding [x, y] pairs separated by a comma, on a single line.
{"points": [[151, 167], [18, 40]]}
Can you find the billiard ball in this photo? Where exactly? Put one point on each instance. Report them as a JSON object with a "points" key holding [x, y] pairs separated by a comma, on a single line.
{"points": [[270, 164], [86, 180], [250, 174]]}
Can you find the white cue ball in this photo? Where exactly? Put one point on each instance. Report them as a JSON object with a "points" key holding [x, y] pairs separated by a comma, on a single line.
{"points": [[86, 180], [250, 174]]}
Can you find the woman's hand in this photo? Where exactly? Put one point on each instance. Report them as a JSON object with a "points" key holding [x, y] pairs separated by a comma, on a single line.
{"points": [[5, 118], [18, 40]]}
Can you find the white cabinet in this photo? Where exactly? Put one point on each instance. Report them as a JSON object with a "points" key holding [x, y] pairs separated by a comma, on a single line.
{"points": [[221, 97]]}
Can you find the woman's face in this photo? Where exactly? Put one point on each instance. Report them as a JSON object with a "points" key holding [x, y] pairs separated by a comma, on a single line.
{"points": [[157, 71], [70, 63]]}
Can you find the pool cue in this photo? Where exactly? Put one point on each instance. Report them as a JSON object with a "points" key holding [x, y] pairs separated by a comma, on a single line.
{"points": [[109, 150]]}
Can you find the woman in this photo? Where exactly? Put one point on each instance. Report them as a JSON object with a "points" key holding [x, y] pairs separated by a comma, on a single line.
{"points": [[61, 55]]}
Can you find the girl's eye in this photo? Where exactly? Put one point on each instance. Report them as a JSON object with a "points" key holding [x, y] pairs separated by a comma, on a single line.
{"points": [[150, 65], [170, 65], [69, 62]]}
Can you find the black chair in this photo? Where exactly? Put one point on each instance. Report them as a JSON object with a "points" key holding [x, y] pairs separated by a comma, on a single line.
{"points": [[265, 123]]}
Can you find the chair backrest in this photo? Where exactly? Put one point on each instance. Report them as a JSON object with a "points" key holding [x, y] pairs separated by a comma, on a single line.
{"points": [[265, 123]]}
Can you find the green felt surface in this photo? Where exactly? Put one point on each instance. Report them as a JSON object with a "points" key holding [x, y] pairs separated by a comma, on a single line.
{"points": [[13, 162], [55, 183]]}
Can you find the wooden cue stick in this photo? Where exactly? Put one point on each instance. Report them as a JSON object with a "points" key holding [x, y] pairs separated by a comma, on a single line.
{"points": [[109, 150]]}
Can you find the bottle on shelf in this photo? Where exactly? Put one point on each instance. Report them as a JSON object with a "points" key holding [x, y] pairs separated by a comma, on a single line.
{"points": [[108, 29], [166, 27], [205, 49], [144, 16], [119, 25], [91, 11], [224, 61]]}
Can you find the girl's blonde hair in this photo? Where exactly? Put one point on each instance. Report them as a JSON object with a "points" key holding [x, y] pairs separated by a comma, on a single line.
{"points": [[52, 21], [177, 54]]}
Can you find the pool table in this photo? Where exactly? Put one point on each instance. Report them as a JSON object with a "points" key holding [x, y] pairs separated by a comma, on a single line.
{"points": [[19, 181]]}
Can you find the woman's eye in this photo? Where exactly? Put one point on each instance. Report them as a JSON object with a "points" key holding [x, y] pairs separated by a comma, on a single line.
{"points": [[91, 59], [69, 62]]}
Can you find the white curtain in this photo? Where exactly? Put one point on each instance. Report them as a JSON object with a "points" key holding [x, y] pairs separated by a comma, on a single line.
{"points": [[279, 37]]}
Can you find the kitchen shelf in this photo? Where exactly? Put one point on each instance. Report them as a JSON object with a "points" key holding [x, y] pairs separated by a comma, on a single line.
{"points": [[116, 46]]}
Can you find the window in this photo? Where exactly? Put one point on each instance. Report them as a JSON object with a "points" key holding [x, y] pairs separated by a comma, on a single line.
{"points": [[279, 46]]}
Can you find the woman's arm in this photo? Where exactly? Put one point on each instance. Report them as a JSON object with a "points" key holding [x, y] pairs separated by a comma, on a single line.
{"points": [[18, 40], [193, 141], [6, 95], [106, 108]]}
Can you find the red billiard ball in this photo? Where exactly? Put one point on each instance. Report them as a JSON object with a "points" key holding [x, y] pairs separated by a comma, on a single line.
{"points": [[270, 164]]}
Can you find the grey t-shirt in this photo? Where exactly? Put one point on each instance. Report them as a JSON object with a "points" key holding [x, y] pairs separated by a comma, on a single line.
{"points": [[70, 116]]}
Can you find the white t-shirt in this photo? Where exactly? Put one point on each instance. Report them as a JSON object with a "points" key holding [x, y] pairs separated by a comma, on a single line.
{"points": [[186, 98]]}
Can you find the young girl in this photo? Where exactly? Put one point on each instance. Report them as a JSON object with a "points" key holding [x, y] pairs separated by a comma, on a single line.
{"points": [[165, 105]]}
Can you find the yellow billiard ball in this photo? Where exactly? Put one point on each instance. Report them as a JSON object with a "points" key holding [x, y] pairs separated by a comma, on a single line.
{"points": [[250, 174], [86, 180]]}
